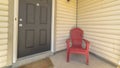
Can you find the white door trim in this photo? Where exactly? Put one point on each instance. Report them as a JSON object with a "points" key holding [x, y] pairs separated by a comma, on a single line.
{"points": [[15, 30]]}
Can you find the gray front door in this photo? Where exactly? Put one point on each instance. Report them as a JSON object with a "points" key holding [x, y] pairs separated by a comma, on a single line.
{"points": [[34, 27]]}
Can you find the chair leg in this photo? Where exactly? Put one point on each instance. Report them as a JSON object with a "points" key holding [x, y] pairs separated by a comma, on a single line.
{"points": [[87, 59], [68, 56]]}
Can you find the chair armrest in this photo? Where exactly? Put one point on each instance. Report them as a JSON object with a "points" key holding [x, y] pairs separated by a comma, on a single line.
{"points": [[68, 43], [87, 44]]}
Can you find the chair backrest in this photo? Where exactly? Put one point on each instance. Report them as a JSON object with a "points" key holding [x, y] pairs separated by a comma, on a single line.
{"points": [[76, 36]]}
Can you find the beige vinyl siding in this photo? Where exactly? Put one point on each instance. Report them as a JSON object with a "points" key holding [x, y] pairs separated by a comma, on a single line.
{"points": [[3, 32], [100, 20], [65, 20]]}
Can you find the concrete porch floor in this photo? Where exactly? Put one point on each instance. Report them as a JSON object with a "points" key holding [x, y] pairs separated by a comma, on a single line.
{"points": [[78, 61]]}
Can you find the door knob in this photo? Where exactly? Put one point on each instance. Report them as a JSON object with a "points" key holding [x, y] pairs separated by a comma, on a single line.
{"points": [[20, 25]]}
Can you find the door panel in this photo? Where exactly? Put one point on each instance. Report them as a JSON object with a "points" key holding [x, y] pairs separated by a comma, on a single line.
{"points": [[30, 13], [43, 15], [43, 37], [29, 38], [34, 27]]}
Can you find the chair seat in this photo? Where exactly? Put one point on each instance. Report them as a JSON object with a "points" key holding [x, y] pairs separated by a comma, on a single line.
{"points": [[77, 50]]}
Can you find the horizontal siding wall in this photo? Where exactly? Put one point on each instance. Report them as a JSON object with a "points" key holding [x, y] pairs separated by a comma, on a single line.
{"points": [[100, 20], [65, 20], [3, 32]]}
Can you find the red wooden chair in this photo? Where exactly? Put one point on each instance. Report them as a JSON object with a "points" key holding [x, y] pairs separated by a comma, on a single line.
{"points": [[74, 44]]}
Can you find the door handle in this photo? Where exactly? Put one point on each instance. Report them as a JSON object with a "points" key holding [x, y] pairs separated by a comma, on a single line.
{"points": [[20, 25]]}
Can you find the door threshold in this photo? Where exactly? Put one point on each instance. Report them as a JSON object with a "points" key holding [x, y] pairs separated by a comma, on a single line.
{"points": [[31, 58]]}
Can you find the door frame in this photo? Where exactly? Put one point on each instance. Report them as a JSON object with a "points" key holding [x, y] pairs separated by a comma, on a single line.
{"points": [[15, 29]]}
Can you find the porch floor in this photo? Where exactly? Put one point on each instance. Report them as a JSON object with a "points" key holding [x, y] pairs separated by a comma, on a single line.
{"points": [[78, 61]]}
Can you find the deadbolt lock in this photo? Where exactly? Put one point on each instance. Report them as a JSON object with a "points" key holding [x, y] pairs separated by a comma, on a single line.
{"points": [[20, 19]]}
